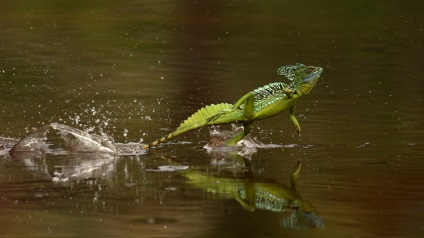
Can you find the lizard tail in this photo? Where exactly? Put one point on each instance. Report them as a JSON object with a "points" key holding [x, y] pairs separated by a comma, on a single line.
{"points": [[200, 118], [156, 142]]}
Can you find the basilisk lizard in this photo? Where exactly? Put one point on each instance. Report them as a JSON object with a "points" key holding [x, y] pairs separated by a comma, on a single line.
{"points": [[263, 102]]}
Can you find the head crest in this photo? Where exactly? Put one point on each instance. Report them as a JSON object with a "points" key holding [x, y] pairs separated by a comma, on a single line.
{"points": [[290, 71]]}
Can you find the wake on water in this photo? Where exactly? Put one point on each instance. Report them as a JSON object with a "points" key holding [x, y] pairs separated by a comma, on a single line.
{"points": [[57, 139], [94, 156]]}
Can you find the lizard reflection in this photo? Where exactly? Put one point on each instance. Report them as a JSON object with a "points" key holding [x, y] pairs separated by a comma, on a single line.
{"points": [[253, 193]]}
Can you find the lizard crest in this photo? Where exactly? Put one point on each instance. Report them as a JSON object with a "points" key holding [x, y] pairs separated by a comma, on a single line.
{"points": [[303, 77]]}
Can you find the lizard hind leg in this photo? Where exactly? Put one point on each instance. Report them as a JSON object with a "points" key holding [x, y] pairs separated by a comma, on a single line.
{"points": [[248, 114], [247, 127]]}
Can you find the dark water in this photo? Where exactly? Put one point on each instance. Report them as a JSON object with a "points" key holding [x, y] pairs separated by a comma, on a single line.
{"points": [[133, 70]]}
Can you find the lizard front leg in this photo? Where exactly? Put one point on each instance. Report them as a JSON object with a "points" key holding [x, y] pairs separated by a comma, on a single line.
{"points": [[294, 120], [289, 92]]}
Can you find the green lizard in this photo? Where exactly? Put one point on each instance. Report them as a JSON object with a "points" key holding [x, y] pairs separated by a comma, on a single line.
{"points": [[260, 194], [263, 102]]}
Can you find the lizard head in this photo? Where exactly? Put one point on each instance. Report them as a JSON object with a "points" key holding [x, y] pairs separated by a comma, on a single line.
{"points": [[304, 77]]}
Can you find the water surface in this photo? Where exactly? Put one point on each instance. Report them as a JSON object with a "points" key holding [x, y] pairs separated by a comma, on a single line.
{"points": [[134, 70]]}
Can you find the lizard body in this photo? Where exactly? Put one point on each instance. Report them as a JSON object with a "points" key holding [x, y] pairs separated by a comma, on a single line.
{"points": [[261, 103]]}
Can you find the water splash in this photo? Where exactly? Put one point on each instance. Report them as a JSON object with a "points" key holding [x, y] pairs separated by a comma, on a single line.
{"points": [[248, 145], [35, 142], [169, 168], [57, 138], [92, 166], [72, 166], [80, 141], [6, 144], [219, 138]]}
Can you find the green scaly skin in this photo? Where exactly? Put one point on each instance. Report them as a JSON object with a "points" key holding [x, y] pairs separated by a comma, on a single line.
{"points": [[253, 194], [263, 102]]}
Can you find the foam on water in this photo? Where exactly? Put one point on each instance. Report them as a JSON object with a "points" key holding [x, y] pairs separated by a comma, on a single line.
{"points": [[6, 144], [219, 138], [59, 139], [169, 168], [56, 138]]}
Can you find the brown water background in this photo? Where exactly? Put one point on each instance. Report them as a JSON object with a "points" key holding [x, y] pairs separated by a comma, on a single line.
{"points": [[135, 69]]}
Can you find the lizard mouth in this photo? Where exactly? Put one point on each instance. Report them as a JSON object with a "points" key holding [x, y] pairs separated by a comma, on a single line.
{"points": [[314, 75]]}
